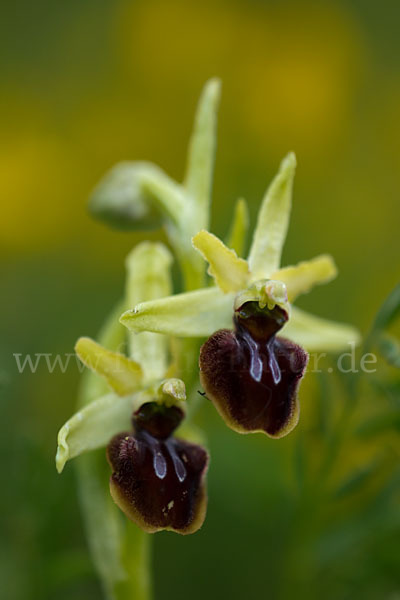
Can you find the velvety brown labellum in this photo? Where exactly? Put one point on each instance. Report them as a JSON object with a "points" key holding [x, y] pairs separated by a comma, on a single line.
{"points": [[158, 480], [251, 375]]}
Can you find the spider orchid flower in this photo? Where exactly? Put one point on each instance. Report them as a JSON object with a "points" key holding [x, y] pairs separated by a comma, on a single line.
{"points": [[249, 373], [157, 480]]}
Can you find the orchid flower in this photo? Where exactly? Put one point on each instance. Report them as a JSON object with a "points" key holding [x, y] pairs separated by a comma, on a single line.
{"points": [[141, 393], [261, 284], [259, 278]]}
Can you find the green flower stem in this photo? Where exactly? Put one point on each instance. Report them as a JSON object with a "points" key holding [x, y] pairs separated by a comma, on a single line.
{"points": [[134, 195], [136, 558], [120, 550], [191, 264]]}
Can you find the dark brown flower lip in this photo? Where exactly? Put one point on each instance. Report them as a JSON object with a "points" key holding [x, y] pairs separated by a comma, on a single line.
{"points": [[251, 375], [159, 482]]}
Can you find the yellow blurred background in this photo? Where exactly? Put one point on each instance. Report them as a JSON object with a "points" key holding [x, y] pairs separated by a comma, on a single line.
{"points": [[86, 84]]}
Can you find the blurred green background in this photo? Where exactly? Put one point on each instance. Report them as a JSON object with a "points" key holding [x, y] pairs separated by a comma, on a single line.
{"points": [[87, 83]]}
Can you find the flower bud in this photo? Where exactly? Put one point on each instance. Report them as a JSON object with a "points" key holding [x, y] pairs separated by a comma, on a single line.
{"points": [[158, 481], [251, 375]]}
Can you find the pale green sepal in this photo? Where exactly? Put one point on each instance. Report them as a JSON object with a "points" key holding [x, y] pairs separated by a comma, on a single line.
{"points": [[148, 277], [272, 222], [267, 292], [191, 314], [137, 195], [301, 278], [236, 238], [94, 425], [230, 272], [201, 154], [123, 375], [316, 334]]}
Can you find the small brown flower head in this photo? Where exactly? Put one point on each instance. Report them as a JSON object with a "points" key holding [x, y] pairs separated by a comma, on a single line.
{"points": [[251, 375], [158, 481]]}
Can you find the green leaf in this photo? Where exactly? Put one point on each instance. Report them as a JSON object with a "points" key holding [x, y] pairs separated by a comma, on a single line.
{"points": [[191, 314], [356, 480], [389, 311], [201, 155], [272, 222], [380, 424], [389, 347]]}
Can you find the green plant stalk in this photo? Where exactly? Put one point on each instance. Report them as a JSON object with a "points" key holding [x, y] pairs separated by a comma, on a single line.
{"points": [[121, 552]]}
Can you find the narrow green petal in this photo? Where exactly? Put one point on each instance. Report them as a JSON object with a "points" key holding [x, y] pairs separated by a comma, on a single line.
{"points": [[149, 278], [230, 272], [199, 171], [136, 195], [316, 334], [192, 314], [301, 278], [272, 222], [112, 335], [93, 426], [240, 224], [122, 374]]}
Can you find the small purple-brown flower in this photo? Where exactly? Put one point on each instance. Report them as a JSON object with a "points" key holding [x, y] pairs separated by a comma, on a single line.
{"points": [[158, 481], [251, 375]]}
